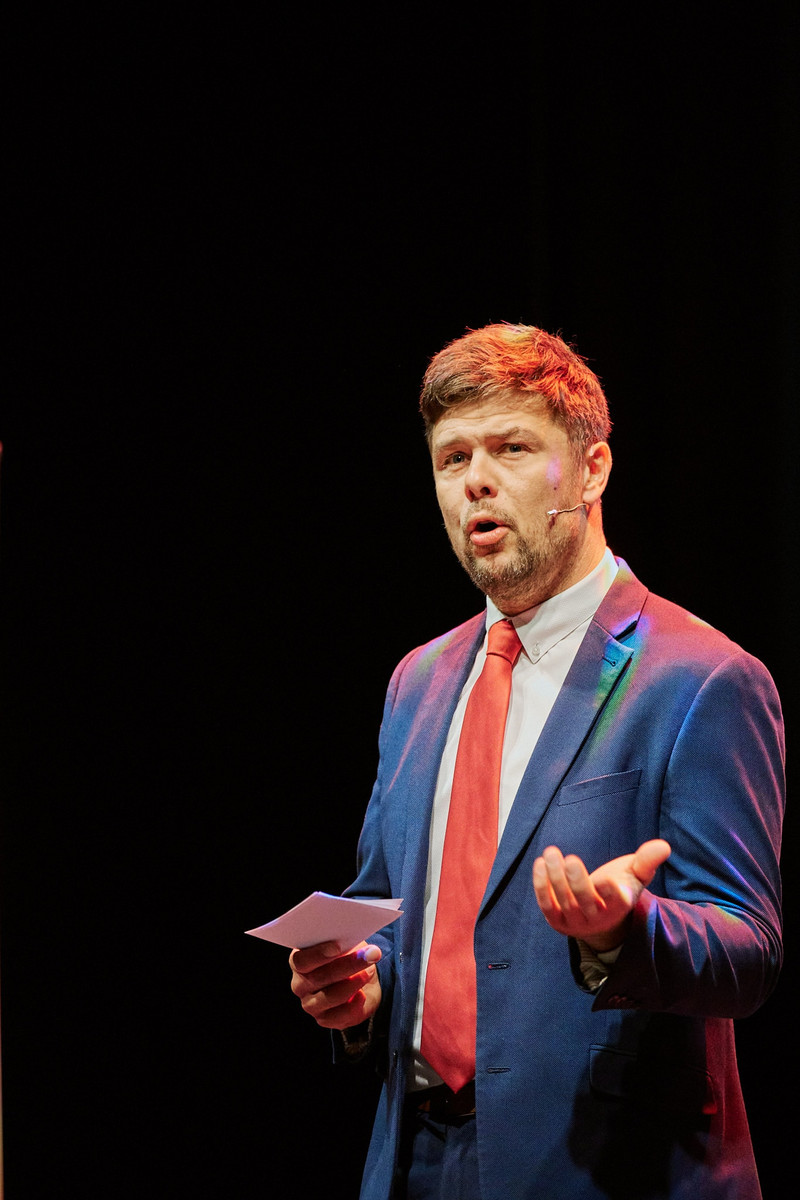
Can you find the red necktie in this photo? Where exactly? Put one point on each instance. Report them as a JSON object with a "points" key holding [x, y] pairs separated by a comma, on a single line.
{"points": [[470, 845]]}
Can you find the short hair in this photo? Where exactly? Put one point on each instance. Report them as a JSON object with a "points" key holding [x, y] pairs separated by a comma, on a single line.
{"points": [[487, 362]]}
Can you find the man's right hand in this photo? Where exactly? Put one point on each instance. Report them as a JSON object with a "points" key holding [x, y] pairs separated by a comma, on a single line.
{"points": [[338, 990]]}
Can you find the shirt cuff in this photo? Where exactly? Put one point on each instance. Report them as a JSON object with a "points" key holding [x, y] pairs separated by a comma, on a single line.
{"points": [[356, 1041], [594, 964]]}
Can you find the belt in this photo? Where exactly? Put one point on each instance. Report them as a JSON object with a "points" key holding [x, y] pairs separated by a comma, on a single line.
{"points": [[442, 1104]]}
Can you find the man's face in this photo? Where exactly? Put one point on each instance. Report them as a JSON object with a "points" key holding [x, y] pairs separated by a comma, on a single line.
{"points": [[499, 466]]}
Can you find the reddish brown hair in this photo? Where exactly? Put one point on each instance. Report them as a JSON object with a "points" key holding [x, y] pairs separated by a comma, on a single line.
{"points": [[521, 359]]}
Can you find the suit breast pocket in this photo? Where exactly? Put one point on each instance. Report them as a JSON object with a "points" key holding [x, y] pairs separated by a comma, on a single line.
{"points": [[594, 818], [604, 787]]}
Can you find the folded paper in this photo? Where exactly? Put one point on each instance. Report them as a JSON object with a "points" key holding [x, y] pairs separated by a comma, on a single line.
{"points": [[324, 918]]}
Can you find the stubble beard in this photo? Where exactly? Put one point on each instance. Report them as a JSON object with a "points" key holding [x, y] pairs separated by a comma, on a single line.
{"points": [[527, 577]]}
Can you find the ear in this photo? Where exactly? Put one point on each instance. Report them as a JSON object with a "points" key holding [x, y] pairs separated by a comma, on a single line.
{"points": [[596, 470]]}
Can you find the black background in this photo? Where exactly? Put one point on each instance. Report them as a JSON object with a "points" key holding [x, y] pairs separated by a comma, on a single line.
{"points": [[234, 243]]}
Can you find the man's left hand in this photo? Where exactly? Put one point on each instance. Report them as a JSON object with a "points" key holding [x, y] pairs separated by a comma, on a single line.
{"points": [[595, 908]]}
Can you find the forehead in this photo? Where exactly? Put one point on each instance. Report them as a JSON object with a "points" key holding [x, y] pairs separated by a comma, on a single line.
{"points": [[496, 416]]}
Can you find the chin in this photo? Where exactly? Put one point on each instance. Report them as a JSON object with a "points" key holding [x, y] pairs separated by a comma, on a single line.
{"points": [[498, 578]]}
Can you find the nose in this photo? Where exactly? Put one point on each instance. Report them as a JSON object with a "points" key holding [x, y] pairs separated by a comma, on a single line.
{"points": [[480, 480]]}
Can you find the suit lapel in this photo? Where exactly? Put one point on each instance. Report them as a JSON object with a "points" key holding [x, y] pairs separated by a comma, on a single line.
{"points": [[598, 665], [449, 661]]}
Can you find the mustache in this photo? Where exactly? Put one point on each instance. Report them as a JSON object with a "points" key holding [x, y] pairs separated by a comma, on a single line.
{"points": [[487, 512]]}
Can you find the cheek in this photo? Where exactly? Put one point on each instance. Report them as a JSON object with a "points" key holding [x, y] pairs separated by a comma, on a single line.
{"points": [[554, 473], [447, 506]]}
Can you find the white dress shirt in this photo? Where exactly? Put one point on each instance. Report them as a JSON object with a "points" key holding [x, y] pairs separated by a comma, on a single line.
{"points": [[550, 634]]}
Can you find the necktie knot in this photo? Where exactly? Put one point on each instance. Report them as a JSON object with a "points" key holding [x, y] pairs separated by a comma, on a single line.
{"points": [[504, 640]]}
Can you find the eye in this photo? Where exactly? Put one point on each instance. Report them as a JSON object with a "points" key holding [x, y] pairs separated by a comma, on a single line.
{"points": [[455, 459], [515, 448]]}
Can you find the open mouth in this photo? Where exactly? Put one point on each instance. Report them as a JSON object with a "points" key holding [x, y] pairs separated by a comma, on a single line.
{"points": [[486, 532]]}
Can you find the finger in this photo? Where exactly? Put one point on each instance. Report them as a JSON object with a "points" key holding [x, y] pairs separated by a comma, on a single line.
{"points": [[347, 966], [545, 896], [353, 1012], [552, 882], [587, 897], [316, 1004], [565, 874], [312, 958], [648, 858]]}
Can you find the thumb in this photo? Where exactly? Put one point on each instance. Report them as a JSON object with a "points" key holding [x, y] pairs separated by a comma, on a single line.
{"points": [[648, 858]]}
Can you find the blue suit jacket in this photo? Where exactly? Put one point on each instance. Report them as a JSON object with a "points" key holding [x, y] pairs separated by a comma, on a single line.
{"points": [[663, 728]]}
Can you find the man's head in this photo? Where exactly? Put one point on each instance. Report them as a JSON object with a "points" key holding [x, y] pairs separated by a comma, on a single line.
{"points": [[516, 424], [501, 359]]}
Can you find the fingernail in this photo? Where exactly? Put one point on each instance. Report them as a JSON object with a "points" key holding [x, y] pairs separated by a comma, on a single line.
{"points": [[371, 954]]}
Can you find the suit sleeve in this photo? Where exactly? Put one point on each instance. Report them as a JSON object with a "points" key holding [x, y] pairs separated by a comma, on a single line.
{"points": [[706, 939], [373, 882]]}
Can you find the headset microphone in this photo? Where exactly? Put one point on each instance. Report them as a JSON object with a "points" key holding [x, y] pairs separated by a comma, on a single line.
{"points": [[554, 512]]}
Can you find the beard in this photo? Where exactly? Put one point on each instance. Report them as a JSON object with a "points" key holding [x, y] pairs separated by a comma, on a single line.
{"points": [[529, 575]]}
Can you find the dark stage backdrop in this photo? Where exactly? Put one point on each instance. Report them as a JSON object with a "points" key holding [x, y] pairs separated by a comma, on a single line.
{"points": [[234, 246]]}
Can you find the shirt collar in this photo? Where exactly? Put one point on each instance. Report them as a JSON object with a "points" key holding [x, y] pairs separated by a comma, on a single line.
{"points": [[543, 626]]}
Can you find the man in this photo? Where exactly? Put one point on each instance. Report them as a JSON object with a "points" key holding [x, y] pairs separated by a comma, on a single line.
{"points": [[635, 787]]}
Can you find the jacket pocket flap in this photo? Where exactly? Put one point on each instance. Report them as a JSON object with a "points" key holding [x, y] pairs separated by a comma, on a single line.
{"points": [[654, 1082], [603, 785]]}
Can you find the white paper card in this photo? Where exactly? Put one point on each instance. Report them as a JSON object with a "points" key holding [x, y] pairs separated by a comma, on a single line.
{"points": [[324, 918]]}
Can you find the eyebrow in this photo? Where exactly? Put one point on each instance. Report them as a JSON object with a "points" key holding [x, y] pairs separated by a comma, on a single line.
{"points": [[515, 433]]}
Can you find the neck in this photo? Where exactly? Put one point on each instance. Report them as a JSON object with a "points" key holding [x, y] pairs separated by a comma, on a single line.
{"points": [[513, 596]]}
